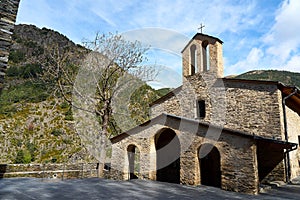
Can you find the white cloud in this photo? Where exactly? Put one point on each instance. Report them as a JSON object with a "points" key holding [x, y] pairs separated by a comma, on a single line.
{"points": [[293, 64], [254, 56], [253, 61], [160, 38], [167, 78], [284, 37], [279, 47]]}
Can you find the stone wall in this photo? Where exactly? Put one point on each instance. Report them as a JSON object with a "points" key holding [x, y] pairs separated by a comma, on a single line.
{"points": [[254, 107], [249, 106], [238, 157], [293, 128], [8, 13], [238, 163], [184, 101], [144, 141], [62, 171]]}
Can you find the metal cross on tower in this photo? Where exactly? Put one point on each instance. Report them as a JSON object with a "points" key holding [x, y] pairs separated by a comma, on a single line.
{"points": [[201, 27]]}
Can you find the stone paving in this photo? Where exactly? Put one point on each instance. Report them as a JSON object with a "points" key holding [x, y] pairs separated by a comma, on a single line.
{"points": [[93, 188]]}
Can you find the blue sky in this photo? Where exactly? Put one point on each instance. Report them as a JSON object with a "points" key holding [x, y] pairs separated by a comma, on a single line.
{"points": [[257, 34]]}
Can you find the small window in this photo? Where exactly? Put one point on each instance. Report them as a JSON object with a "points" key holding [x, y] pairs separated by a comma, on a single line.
{"points": [[205, 55], [193, 61], [201, 109]]}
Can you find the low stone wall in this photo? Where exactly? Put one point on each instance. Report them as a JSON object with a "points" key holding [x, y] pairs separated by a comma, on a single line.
{"points": [[61, 171]]}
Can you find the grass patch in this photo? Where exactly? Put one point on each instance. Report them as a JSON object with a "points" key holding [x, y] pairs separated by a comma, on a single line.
{"points": [[25, 92]]}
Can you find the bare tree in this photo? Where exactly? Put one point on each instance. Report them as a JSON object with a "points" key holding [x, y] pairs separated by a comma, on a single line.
{"points": [[112, 65]]}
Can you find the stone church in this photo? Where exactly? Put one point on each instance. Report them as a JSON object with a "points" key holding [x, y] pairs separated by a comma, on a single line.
{"points": [[229, 133]]}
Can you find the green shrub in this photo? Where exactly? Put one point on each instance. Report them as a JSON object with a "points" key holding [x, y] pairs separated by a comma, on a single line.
{"points": [[31, 71], [27, 156], [57, 132], [23, 157], [20, 157], [7, 110], [69, 115], [31, 149], [13, 71], [27, 92], [16, 56], [64, 105], [27, 71]]}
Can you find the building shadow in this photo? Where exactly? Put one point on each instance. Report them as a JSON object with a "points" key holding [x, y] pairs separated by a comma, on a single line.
{"points": [[2, 170]]}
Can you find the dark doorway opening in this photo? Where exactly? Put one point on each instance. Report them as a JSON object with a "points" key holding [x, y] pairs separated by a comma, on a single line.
{"points": [[270, 162], [210, 169], [168, 156], [133, 160]]}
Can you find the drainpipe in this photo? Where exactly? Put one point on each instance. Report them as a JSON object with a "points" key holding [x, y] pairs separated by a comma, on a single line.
{"points": [[287, 156]]}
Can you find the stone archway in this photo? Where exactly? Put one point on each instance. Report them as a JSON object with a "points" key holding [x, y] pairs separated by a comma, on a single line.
{"points": [[133, 154], [167, 147], [210, 166]]}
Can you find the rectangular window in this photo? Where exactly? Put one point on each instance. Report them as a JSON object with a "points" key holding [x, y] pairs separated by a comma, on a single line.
{"points": [[201, 109]]}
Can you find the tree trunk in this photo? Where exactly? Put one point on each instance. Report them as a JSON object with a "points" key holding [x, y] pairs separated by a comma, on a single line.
{"points": [[102, 155], [103, 145]]}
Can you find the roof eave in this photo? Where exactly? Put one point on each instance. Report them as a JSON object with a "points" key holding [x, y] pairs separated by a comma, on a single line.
{"points": [[197, 34], [164, 119]]}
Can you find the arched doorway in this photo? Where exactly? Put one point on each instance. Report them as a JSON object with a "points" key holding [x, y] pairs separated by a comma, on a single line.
{"points": [[133, 154], [168, 156], [210, 170]]}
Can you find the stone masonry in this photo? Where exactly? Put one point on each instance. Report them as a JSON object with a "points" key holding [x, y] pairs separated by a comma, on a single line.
{"points": [[8, 13], [62, 171], [238, 156], [250, 106]]}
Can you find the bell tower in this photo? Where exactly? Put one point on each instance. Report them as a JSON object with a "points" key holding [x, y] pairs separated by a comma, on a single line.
{"points": [[203, 54]]}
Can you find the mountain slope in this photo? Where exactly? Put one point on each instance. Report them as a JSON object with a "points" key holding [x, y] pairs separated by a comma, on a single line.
{"points": [[286, 77], [34, 125]]}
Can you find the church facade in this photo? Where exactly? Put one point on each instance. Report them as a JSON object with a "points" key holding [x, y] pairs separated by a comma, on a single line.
{"points": [[228, 133]]}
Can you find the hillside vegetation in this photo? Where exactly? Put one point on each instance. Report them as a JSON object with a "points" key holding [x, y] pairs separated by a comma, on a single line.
{"points": [[36, 125], [286, 77]]}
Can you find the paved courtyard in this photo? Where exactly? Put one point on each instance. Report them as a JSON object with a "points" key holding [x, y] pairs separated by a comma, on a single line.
{"points": [[31, 188]]}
